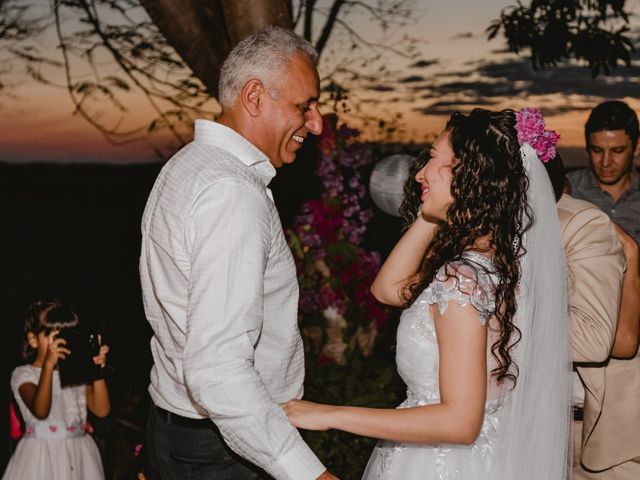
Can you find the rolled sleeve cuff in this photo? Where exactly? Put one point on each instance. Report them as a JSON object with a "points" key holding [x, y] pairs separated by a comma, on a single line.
{"points": [[300, 463]]}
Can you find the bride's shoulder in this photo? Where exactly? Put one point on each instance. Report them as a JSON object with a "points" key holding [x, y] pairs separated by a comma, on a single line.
{"points": [[469, 270], [470, 279]]}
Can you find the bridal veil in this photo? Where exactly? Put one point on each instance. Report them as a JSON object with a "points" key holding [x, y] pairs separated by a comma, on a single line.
{"points": [[534, 443]]}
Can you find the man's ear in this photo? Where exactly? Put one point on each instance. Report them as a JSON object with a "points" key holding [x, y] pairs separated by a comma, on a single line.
{"points": [[252, 96], [32, 340]]}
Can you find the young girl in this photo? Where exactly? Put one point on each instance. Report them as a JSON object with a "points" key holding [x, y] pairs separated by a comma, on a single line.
{"points": [[483, 342], [55, 444]]}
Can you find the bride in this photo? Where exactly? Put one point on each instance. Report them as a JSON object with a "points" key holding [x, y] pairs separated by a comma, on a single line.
{"points": [[483, 342]]}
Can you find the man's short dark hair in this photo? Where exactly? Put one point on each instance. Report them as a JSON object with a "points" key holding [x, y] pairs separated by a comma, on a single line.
{"points": [[613, 115]]}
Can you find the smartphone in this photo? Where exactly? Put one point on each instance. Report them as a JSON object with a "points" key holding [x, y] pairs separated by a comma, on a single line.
{"points": [[78, 367]]}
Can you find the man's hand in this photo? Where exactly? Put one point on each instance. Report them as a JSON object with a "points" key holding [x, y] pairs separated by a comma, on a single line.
{"points": [[327, 476]]}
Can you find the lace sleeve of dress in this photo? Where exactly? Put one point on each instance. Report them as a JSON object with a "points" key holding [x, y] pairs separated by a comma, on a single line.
{"points": [[467, 285], [21, 375]]}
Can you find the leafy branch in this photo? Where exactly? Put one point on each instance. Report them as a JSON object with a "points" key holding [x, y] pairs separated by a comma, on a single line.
{"points": [[594, 31]]}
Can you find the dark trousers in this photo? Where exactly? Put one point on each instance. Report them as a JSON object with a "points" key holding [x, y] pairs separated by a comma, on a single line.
{"points": [[192, 450]]}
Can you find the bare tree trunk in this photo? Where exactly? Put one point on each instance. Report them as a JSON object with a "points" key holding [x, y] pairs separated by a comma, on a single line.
{"points": [[244, 17], [197, 31], [204, 31]]}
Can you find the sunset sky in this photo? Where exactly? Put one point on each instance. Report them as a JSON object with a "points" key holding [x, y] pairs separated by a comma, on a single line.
{"points": [[463, 70]]}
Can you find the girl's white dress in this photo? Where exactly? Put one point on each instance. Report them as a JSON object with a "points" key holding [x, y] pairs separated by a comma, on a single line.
{"points": [[57, 448], [469, 282]]}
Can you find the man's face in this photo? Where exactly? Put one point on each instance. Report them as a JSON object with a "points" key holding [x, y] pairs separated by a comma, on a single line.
{"points": [[287, 120], [611, 156]]}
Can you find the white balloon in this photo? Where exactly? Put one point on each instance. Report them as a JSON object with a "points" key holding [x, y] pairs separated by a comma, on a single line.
{"points": [[386, 184]]}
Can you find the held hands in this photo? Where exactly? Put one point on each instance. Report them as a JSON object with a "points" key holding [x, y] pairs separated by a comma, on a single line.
{"points": [[56, 350], [308, 415]]}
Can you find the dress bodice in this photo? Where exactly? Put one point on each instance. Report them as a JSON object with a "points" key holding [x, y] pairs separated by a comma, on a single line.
{"points": [[57, 447], [68, 404], [469, 281]]}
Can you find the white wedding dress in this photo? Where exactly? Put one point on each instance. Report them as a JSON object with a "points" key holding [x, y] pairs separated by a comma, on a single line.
{"points": [[471, 285], [526, 429]]}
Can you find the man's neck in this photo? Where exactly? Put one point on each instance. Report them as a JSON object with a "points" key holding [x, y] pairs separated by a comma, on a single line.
{"points": [[623, 185], [237, 123]]}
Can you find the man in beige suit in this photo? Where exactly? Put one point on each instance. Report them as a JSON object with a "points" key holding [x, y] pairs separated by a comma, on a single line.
{"points": [[607, 390]]}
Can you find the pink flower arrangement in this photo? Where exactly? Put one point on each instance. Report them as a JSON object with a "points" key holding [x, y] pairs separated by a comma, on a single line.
{"points": [[337, 312], [530, 127]]}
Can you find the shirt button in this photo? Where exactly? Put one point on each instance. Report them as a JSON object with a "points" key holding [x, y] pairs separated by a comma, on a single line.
{"points": [[613, 211]]}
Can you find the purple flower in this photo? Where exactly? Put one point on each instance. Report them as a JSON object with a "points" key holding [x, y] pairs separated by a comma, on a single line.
{"points": [[530, 128], [307, 302], [346, 132], [545, 145], [530, 124], [325, 166]]}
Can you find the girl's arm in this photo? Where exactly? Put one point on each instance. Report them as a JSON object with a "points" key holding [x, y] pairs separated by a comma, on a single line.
{"points": [[403, 262], [97, 393], [457, 419], [38, 397]]}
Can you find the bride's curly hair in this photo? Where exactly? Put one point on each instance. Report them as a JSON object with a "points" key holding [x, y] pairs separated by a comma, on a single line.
{"points": [[488, 187]]}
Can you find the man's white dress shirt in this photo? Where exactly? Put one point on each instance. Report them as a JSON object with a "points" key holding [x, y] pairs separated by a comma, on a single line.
{"points": [[221, 294]]}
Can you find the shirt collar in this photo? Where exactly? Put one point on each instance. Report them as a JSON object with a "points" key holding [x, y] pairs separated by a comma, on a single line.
{"points": [[221, 136]]}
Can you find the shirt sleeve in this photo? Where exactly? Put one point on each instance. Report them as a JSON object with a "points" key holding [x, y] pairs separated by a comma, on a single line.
{"points": [[229, 235], [595, 266]]}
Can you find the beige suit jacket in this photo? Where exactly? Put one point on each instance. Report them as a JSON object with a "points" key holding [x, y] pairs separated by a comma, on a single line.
{"points": [[595, 267]]}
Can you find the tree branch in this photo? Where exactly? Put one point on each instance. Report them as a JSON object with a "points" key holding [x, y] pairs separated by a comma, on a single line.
{"points": [[328, 25], [309, 10]]}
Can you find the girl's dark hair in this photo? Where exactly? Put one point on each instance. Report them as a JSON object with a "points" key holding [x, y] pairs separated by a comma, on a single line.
{"points": [[46, 315], [488, 187]]}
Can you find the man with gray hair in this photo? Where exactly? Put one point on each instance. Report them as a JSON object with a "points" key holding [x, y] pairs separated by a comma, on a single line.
{"points": [[219, 282]]}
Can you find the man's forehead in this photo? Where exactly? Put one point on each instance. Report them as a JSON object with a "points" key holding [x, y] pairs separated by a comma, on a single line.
{"points": [[619, 137], [304, 76]]}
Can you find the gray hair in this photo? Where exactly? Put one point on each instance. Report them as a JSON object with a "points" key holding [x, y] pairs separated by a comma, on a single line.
{"points": [[262, 55]]}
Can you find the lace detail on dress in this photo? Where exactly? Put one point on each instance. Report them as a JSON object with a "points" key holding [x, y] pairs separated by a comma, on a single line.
{"points": [[482, 448], [468, 282]]}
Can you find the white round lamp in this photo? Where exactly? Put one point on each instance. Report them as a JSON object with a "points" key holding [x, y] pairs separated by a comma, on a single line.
{"points": [[386, 184]]}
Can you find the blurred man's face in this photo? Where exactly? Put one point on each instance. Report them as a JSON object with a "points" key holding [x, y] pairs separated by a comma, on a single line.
{"points": [[611, 156]]}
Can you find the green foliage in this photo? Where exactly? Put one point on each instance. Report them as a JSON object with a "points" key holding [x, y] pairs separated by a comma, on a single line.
{"points": [[594, 31], [367, 382]]}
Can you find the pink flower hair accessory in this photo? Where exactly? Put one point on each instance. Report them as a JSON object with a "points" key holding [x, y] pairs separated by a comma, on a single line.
{"points": [[530, 128]]}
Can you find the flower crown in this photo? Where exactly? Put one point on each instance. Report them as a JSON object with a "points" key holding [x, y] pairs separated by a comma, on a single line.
{"points": [[530, 127]]}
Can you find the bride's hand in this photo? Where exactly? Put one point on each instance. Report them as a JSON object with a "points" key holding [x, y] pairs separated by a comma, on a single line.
{"points": [[308, 415]]}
